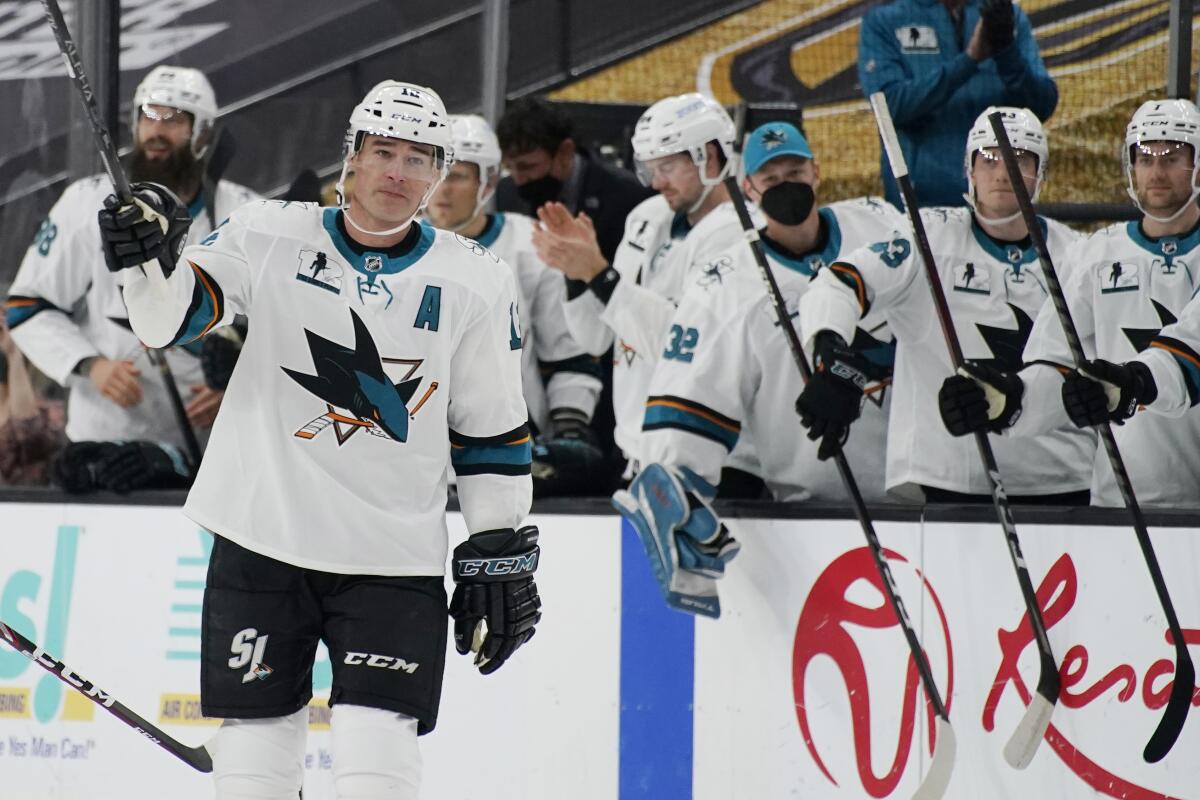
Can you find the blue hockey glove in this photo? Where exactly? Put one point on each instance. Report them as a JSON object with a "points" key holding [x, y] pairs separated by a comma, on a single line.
{"points": [[687, 544]]}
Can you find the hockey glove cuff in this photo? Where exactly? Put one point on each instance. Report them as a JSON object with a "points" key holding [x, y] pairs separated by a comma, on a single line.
{"points": [[832, 399], [153, 226], [980, 398], [1107, 392], [687, 544], [495, 604], [568, 460]]}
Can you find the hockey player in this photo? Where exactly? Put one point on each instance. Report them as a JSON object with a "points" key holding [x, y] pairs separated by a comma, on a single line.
{"points": [[65, 309], [727, 373], [683, 147], [1122, 285], [994, 289], [382, 351], [561, 381]]}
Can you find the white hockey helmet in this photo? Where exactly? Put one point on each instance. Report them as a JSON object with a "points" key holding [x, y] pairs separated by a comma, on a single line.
{"points": [[183, 88], [475, 143], [1025, 132], [398, 110], [1163, 121], [684, 123]]}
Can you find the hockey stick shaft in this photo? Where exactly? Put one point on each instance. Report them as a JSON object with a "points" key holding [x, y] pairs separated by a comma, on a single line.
{"points": [[1179, 704], [195, 757], [120, 182], [1049, 683]]}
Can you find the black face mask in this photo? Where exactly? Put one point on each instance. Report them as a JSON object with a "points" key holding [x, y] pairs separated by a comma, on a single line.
{"points": [[788, 203], [540, 191]]}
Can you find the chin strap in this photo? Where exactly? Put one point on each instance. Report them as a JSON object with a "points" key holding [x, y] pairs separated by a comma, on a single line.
{"points": [[481, 197], [1165, 220], [344, 206], [990, 220]]}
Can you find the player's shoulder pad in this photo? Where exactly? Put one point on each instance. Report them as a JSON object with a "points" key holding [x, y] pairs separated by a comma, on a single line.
{"points": [[653, 210], [270, 215], [230, 195], [470, 264], [90, 190]]}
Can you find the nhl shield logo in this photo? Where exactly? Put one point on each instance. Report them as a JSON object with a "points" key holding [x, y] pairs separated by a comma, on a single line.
{"points": [[373, 263], [1170, 247]]}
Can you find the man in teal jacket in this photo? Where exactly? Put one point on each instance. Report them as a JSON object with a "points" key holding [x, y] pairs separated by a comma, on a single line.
{"points": [[941, 63]]}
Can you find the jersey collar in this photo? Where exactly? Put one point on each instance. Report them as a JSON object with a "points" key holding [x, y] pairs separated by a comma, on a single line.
{"points": [[1016, 253], [829, 244], [1169, 246], [491, 232], [680, 227], [374, 262], [196, 207]]}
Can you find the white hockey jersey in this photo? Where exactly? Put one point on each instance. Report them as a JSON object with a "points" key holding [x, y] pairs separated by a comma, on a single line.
{"points": [[64, 305], [994, 290], [655, 258], [556, 371], [1121, 287], [728, 374], [365, 374]]}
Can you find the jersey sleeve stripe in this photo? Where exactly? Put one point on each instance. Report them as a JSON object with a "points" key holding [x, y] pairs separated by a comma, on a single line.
{"points": [[1062, 368], [583, 364], [19, 309], [667, 411], [848, 274], [206, 309], [506, 454], [521, 432], [1188, 361]]}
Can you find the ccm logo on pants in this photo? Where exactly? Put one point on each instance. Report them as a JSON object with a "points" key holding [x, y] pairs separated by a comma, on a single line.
{"points": [[381, 662]]}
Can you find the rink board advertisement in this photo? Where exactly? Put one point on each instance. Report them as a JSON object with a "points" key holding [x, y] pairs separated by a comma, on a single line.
{"points": [[803, 689]]}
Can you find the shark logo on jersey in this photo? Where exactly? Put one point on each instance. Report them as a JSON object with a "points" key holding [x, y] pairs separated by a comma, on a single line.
{"points": [[1117, 277], [1006, 344], [627, 352], [355, 380], [972, 279], [316, 269], [713, 271], [1140, 337]]}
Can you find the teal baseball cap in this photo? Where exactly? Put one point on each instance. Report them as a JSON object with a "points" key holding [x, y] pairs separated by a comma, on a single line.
{"points": [[772, 140]]}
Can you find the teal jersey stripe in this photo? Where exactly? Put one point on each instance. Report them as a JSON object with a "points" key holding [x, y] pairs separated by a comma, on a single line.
{"points": [[660, 416]]}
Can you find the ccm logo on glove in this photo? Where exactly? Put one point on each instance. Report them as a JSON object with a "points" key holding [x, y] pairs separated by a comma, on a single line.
{"points": [[513, 565]]}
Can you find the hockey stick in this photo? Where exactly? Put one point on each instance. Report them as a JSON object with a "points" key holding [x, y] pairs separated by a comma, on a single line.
{"points": [[116, 174], [942, 764], [197, 758], [1175, 715], [1022, 745]]}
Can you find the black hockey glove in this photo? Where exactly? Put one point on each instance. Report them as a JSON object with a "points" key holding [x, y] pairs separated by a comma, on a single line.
{"points": [[999, 24], [1107, 392], [77, 466], [980, 398], [219, 354], [144, 465], [153, 226], [495, 604], [832, 399], [567, 461]]}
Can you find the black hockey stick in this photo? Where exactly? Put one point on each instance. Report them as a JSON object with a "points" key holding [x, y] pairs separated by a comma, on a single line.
{"points": [[1022, 745], [941, 766], [197, 758], [1175, 715], [116, 174]]}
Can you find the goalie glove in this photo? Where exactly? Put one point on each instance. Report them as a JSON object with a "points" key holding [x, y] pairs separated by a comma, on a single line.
{"points": [[495, 605], [687, 544], [980, 398], [153, 226], [1107, 392]]}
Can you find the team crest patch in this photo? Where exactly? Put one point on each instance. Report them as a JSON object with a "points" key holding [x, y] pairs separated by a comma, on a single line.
{"points": [[917, 39], [357, 388], [1118, 277], [714, 272], [318, 269], [972, 279]]}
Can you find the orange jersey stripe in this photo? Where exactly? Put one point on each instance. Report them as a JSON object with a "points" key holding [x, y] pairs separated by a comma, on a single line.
{"points": [[697, 412]]}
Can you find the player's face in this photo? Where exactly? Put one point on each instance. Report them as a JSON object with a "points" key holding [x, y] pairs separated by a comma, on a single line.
{"points": [[1162, 173], [994, 194], [162, 130], [453, 203], [676, 177], [781, 170], [391, 177]]}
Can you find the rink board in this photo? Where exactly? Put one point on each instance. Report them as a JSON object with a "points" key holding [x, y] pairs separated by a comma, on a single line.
{"points": [[802, 689]]}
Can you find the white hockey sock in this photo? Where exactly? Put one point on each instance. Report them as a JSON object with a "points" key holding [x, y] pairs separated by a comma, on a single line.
{"points": [[375, 754], [260, 759]]}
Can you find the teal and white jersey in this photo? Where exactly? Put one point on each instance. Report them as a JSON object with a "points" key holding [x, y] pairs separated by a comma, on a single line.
{"points": [[655, 259], [727, 379], [1122, 288], [64, 305], [557, 372], [366, 374], [994, 291], [1174, 359]]}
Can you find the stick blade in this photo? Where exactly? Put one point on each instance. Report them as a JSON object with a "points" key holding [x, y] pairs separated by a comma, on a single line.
{"points": [[1023, 744], [198, 758], [941, 767], [1180, 702]]}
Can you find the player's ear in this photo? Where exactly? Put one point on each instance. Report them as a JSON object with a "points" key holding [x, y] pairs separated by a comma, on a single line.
{"points": [[816, 181]]}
